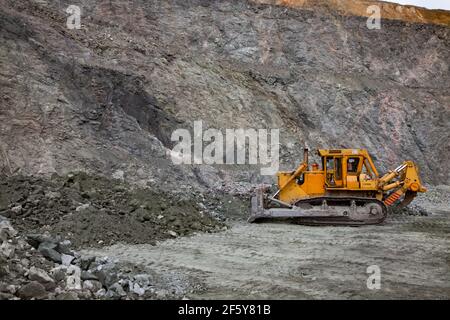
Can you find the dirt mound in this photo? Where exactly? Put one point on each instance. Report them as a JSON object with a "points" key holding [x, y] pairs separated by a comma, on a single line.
{"points": [[92, 210]]}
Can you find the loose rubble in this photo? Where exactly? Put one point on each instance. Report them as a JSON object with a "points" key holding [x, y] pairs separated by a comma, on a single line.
{"points": [[90, 210], [45, 221], [27, 273]]}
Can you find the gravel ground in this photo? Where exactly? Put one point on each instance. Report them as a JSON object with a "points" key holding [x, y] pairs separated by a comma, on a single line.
{"points": [[141, 258], [285, 261]]}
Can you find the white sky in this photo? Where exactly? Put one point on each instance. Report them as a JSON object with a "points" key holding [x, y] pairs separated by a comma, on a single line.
{"points": [[431, 4]]}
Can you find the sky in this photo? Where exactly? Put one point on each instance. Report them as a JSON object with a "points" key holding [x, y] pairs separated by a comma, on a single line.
{"points": [[430, 4]]}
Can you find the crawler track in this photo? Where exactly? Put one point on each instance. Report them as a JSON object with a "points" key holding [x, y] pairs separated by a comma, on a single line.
{"points": [[363, 212], [345, 220]]}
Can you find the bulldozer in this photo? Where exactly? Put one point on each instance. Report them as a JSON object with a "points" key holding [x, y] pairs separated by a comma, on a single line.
{"points": [[346, 190]]}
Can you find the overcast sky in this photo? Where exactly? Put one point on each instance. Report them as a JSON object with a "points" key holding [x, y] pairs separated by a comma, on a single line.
{"points": [[431, 4]]}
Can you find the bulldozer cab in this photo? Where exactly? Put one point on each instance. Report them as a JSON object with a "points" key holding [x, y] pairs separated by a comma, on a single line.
{"points": [[347, 168]]}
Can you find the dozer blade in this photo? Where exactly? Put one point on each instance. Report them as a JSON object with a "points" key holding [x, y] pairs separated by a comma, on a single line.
{"points": [[370, 212], [257, 208]]}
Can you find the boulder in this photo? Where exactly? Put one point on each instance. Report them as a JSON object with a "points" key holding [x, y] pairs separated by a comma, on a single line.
{"points": [[6, 230], [105, 276], [86, 261], [67, 295], [59, 273], [92, 285], [73, 281], [64, 248], [7, 250], [32, 290], [10, 289], [66, 259], [100, 293], [39, 275], [143, 280], [6, 296], [137, 289], [115, 291], [47, 249], [86, 275], [35, 240]]}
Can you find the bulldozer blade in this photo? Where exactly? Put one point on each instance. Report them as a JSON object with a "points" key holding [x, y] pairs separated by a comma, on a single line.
{"points": [[409, 196], [257, 208]]}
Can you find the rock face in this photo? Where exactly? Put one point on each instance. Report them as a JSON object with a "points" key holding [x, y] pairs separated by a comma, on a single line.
{"points": [[107, 97]]}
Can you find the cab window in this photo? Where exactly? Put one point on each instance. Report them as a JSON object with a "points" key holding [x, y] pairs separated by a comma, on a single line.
{"points": [[352, 165], [330, 164], [338, 168]]}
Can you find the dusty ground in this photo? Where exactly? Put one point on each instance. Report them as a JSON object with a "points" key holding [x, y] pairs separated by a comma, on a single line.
{"points": [[143, 258], [285, 261]]}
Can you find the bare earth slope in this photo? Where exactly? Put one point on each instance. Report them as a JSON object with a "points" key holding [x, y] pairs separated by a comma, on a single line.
{"points": [[108, 96]]}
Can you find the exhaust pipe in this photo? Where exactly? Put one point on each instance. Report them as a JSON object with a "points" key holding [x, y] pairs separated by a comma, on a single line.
{"points": [[305, 157], [400, 168]]}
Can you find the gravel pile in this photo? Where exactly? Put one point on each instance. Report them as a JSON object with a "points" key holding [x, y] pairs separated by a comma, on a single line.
{"points": [[42, 267], [95, 211]]}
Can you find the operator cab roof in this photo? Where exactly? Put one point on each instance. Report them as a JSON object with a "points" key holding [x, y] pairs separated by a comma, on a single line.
{"points": [[343, 152]]}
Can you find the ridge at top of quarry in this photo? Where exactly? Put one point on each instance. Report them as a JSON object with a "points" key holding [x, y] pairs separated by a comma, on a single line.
{"points": [[388, 10]]}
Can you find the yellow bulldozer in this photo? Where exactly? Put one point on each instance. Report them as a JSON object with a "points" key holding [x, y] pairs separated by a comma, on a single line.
{"points": [[346, 190]]}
